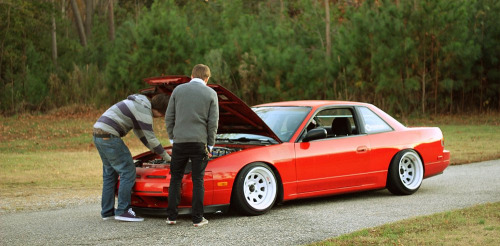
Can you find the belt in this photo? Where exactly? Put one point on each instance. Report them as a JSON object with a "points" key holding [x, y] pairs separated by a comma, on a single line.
{"points": [[99, 133]]}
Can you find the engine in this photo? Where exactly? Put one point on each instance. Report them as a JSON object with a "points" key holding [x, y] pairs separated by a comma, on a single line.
{"points": [[222, 151], [159, 163]]}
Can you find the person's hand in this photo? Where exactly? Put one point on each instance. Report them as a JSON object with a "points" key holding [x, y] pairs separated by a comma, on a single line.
{"points": [[209, 151], [167, 157]]}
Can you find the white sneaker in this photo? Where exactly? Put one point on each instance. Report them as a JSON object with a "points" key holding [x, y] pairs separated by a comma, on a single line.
{"points": [[171, 222], [202, 223]]}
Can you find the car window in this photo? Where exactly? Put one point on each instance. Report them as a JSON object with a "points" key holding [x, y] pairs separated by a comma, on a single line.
{"points": [[373, 123], [337, 122]]}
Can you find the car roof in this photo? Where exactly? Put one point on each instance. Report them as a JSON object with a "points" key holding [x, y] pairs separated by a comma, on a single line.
{"points": [[312, 103]]}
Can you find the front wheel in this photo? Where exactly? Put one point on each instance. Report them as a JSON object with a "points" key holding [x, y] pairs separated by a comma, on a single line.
{"points": [[406, 173], [255, 189]]}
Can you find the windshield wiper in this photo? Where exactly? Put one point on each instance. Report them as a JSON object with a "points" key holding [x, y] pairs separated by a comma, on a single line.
{"points": [[224, 139], [260, 140], [270, 141], [245, 139]]}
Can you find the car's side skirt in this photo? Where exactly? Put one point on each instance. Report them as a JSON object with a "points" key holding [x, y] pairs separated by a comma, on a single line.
{"points": [[222, 208]]}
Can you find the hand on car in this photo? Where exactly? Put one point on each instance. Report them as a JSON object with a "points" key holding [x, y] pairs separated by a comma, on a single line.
{"points": [[167, 157]]}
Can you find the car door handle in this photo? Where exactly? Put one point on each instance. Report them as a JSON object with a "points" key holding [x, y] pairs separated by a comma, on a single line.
{"points": [[362, 149]]}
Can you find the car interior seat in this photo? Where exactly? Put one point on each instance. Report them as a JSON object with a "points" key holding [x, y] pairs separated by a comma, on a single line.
{"points": [[341, 127]]}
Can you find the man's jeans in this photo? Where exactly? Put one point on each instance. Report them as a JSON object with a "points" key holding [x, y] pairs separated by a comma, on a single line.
{"points": [[116, 161], [181, 153]]}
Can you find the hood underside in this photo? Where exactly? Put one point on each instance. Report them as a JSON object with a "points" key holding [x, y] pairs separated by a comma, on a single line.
{"points": [[235, 116]]}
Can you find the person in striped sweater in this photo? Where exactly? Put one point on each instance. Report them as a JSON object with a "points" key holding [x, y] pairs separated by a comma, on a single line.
{"points": [[134, 113]]}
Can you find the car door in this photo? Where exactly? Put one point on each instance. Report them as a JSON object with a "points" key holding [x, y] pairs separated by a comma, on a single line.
{"points": [[339, 162]]}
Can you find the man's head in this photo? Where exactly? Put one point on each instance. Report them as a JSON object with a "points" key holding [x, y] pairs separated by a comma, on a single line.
{"points": [[159, 103], [201, 71]]}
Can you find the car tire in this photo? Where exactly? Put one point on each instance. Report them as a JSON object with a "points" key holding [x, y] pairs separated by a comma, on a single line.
{"points": [[255, 190], [406, 173]]}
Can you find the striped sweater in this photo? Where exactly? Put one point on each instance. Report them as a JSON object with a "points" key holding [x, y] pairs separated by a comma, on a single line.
{"points": [[133, 113]]}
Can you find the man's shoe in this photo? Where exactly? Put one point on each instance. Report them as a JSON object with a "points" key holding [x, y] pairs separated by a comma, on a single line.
{"points": [[202, 223], [108, 217], [129, 216], [171, 222]]}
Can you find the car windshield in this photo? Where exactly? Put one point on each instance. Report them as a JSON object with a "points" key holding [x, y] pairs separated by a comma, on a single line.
{"points": [[283, 121]]}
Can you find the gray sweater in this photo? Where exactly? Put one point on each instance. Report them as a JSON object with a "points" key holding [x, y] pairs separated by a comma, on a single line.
{"points": [[193, 113], [132, 113]]}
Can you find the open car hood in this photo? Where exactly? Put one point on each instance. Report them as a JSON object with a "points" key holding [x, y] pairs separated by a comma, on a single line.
{"points": [[235, 116]]}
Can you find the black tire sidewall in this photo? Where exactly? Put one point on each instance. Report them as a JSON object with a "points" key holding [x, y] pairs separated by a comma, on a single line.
{"points": [[394, 183]]}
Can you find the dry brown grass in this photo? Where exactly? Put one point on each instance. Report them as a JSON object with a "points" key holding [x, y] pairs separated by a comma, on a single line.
{"points": [[49, 161]]}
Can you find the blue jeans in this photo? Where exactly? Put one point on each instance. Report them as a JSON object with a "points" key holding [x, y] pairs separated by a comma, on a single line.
{"points": [[181, 154], [116, 162]]}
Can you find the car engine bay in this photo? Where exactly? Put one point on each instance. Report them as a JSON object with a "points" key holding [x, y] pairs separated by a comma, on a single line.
{"points": [[150, 161]]}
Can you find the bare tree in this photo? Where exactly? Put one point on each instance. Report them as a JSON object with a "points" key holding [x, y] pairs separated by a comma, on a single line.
{"points": [[328, 45], [111, 21], [89, 11], [54, 40], [327, 31], [79, 23]]}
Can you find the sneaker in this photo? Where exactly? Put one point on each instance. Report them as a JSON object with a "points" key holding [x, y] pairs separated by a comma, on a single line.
{"points": [[201, 223], [129, 216], [171, 222], [108, 217]]}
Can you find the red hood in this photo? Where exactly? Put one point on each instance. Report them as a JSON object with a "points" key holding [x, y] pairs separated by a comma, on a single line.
{"points": [[235, 116]]}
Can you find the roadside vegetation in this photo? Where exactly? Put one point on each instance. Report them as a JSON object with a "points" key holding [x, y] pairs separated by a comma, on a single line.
{"points": [[408, 57]]}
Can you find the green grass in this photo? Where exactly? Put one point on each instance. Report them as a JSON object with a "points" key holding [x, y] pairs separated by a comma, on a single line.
{"points": [[469, 138], [478, 225], [472, 143], [79, 169]]}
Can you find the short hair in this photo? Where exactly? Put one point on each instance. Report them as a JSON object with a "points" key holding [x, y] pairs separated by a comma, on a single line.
{"points": [[160, 102], [201, 71]]}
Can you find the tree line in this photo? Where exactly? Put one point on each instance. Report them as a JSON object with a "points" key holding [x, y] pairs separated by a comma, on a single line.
{"points": [[415, 57]]}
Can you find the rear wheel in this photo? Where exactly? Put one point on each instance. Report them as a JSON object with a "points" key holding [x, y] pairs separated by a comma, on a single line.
{"points": [[406, 173], [255, 189]]}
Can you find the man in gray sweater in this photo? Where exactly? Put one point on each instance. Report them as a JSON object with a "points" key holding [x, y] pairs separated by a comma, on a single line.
{"points": [[134, 113], [192, 119]]}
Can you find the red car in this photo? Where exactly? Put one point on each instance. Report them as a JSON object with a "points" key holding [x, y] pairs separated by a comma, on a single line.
{"points": [[282, 151]]}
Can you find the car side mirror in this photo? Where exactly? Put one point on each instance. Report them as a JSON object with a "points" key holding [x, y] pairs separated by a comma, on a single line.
{"points": [[314, 134]]}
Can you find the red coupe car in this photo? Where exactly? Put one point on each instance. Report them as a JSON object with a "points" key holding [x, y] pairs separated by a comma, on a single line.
{"points": [[282, 151]]}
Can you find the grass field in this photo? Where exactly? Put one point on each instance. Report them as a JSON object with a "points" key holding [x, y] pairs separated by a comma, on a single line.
{"points": [[479, 225], [49, 161]]}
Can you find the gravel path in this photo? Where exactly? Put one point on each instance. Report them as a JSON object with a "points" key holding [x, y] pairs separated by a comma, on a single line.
{"points": [[294, 223]]}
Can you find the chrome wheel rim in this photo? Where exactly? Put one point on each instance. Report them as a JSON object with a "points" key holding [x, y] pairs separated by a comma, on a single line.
{"points": [[260, 188], [411, 170]]}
